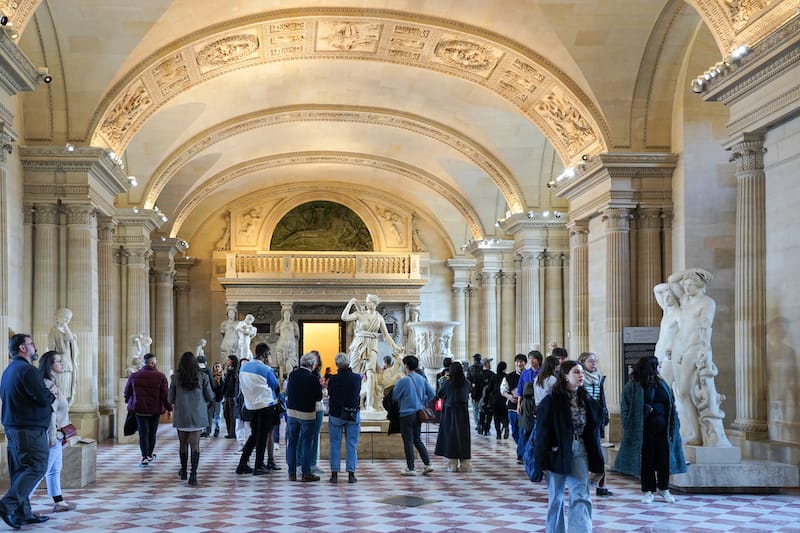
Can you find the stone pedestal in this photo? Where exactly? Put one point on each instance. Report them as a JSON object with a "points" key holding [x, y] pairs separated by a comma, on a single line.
{"points": [[749, 476], [710, 455], [80, 464], [374, 443]]}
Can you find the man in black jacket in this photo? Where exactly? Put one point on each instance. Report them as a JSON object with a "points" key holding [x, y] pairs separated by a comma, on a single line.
{"points": [[26, 414], [303, 391], [474, 378]]}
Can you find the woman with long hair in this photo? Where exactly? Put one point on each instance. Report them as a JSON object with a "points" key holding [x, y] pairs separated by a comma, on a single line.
{"points": [[189, 391], [567, 444], [453, 440], [546, 378], [651, 445], [50, 365]]}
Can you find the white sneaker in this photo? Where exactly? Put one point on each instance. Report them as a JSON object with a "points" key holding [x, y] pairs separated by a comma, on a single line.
{"points": [[648, 497], [669, 498], [408, 472], [276, 447], [427, 470]]}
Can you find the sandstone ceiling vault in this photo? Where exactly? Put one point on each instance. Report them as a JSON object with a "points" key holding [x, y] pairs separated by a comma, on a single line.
{"points": [[460, 111]]}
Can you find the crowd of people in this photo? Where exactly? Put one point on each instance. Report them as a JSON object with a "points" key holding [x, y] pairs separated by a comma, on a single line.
{"points": [[553, 408]]}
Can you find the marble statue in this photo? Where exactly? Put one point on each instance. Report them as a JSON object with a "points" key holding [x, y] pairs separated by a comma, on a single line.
{"points": [[668, 330], [146, 341], [229, 336], [134, 366], [408, 331], [245, 331], [693, 368], [363, 349], [392, 371], [200, 350], [61, 339], [286, 347]]}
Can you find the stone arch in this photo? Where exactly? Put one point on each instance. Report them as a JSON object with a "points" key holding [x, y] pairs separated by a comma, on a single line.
{"points": [[204, 190], [471, 149], [539, 89]]}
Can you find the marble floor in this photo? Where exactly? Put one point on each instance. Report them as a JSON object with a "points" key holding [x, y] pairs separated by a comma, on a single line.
{"points": [[495, 497]]}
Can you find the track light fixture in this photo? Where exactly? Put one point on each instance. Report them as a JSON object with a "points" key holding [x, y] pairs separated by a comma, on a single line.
{"points": [[69, 147], [3, 20]]}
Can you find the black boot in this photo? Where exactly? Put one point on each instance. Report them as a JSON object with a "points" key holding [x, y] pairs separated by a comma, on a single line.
{"points": [[182, 472], [193, 473], [334, 477], [351, 477]]}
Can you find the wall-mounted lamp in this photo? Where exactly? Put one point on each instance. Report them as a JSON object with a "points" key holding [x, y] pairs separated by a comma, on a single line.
{"points": [[585, 157], [44, 72], [136, 210], [557, 214]]}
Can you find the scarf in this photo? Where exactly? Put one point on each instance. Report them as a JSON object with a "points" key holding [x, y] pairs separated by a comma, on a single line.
{"points": [[591, 378], [217, 378]]}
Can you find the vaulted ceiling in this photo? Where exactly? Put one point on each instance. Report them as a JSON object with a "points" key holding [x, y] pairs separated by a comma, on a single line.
{"points": [[462, 109]]}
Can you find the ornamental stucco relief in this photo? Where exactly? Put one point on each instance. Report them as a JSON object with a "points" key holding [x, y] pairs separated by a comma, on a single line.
{"points": [[127, 109], [347, 36], [566, 119], [466, 54], [227, 50]]}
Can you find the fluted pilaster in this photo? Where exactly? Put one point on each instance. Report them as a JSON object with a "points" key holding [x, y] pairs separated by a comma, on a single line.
{"points": [[81, 299], [45, 270], [750, 313], [507, 317], [666, 242], [649, 272], [182, 311], [474, 319], [27, 267], [164, 320], [108, 289], [554, 298], [459, 342], [579, 287], [618, 308], [137, 291], [529, 318], [489, 313]]}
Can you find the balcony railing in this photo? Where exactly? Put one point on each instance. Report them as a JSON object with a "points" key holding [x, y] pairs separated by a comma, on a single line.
{"points": [[325, 265]]}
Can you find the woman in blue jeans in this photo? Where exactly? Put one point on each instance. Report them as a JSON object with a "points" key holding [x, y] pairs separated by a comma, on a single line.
{"points": [[343, 415], [567, 444]]}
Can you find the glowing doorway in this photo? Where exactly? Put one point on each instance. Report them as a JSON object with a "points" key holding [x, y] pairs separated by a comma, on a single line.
{"points": [[325, 337]]}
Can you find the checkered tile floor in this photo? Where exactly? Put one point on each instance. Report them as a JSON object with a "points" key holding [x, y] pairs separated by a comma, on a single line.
{"points": [[495, 497]]}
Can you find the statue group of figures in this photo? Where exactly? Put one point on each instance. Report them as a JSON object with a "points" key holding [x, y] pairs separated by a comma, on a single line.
{"points": [[684, 351]]}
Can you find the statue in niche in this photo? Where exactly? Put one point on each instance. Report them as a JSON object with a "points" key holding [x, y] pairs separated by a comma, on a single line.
{"points": [[321, 226], [286, 348], [363, 349], [62, 340], [224, 242], [693, 368], [229, 336], [408, 332], [417, 245], [245, 331]]}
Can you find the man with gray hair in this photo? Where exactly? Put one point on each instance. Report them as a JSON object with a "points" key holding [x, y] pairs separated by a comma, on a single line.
{"points": [[303, 391]]}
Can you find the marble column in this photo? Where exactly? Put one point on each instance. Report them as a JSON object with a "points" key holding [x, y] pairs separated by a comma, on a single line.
{"points": [[579, 284], [164, 321], [108, 291], [489, 313], [529, 317], [649, 272], [461, 267], [82, 283], [5, 206], [750, 312], [45, 270], [507, 317], [474, 320], [618, 305], [137, 291], [182, 309], [666, 241], [554, 298]]}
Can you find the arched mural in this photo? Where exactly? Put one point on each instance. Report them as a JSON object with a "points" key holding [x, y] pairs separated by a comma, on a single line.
{"points": [[321, 227]]}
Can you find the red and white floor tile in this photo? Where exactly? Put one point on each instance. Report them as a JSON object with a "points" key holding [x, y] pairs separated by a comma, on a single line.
{"points": [[495, 497]]}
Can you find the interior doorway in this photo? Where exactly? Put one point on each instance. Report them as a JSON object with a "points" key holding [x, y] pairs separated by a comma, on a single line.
{"points": [[324, 336]]}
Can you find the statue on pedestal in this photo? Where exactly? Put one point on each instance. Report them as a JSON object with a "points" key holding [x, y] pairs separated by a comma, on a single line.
{"points": [[692, 365], [408, 330], [62, 340], [245, 331], [286, 348], [363, 349], [229, 336], [200, 350]]}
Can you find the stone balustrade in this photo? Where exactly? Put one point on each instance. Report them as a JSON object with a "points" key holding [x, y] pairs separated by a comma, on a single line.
{"points": [[321, 265]]}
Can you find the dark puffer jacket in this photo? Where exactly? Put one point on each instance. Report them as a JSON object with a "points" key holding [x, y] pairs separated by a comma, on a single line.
{"points": [[146, 392]]}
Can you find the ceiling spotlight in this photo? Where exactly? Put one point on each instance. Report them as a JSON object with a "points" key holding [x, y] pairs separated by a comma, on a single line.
{"points": [[69, 147], [740, 51], [163, 218], [531, 214], [550, 184], [585, 157], [545, 214], [3, 20], [557, 214], [698, 85], [48, 78], [163, 239], [132, 181], [136, 210]]}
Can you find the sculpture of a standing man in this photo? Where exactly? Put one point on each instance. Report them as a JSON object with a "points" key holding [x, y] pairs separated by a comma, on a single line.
{"points": [[693, 368], [286, 348], [61, 339], [245, 331], [669, 329], [229, 336], [364, 347]]}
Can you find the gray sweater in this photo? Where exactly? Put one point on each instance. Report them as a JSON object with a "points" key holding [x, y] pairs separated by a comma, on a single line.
{"points": [[190, 405]]}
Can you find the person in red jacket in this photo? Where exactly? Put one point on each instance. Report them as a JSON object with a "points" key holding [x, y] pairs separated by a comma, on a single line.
{"points": [[146, 396]]}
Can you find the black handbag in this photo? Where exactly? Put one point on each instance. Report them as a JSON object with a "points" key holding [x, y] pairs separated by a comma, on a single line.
{"points": [[130, 424], [349, 414]]}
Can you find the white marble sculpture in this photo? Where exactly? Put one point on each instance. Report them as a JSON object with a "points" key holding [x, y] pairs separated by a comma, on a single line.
{"points": [[363, 349], [229, 336], [693, 368], [669, 328], [245, 332], [61, 339], [201, 348], [286, 347], [408, 330], [134, 366]]}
